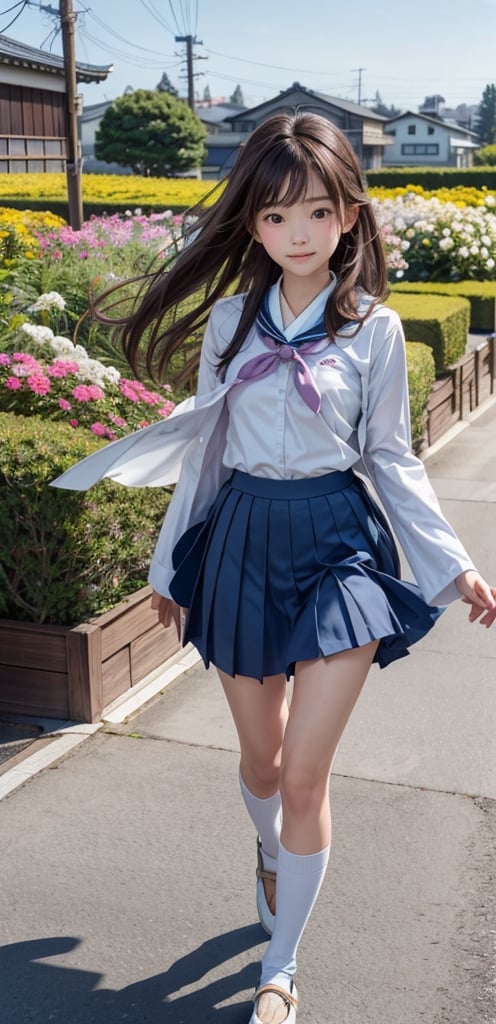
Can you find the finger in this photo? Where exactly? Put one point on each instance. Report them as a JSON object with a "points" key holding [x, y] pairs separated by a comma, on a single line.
{"points": [[156, 598]]}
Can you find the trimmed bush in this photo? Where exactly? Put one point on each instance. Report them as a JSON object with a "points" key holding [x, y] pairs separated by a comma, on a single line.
{"points": [[440, 321], [66, 556], [434, 177], [421, 377], [480, 294]]}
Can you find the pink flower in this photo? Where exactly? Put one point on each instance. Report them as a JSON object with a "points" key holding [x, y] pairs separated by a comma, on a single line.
{"points": [[74, 423], [39, 384], [59, 368], [81, 393], [167, 409], [4, 359], [83, 255], [117, 420], [95, 392], [64, 404], [129, 392], [99, 429], [13, 383]]}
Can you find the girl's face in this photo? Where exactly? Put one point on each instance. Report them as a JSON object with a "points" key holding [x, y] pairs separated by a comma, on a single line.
{"points": [[301, 238]]}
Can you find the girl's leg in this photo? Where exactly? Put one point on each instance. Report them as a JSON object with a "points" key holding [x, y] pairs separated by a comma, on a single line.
{"points": [[260, 714], [325, 691]]}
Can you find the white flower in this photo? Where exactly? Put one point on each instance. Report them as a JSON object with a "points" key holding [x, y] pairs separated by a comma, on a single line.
{"points": [[490, 201], [446, 243], [38, 333], [463, 252], [490, 263], [63, 346], [111, 374], [47, 301]]}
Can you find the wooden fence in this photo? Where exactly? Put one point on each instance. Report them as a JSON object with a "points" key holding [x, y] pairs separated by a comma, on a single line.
{"points": [[467, 384]]}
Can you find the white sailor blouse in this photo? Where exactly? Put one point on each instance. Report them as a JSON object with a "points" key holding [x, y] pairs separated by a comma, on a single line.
{"points": [[264, 428]]}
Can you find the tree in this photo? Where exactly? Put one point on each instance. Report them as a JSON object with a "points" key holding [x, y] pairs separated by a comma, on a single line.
{"points": [[207, 95], [165, 85], [237, 97], [381, 108], [486, 119], [152, 132]]}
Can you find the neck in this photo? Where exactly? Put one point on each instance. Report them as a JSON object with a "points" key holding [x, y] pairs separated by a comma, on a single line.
{"points": [[300, 292]]}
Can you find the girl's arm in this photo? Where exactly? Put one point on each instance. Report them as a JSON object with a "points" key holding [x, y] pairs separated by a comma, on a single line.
{"points": [[440, 564]]}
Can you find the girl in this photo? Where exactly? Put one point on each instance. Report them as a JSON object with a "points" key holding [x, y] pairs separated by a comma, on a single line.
{"points": [[272, 541]]}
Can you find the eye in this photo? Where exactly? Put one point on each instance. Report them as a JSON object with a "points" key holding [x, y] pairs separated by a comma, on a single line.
{"points": [[273, 218], [321, 213]]}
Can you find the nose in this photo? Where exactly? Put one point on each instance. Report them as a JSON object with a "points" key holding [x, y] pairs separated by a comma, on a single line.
{"points": [[299, 234]]}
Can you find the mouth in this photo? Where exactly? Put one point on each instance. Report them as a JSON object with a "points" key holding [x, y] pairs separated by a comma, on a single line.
{"points": [[300, 255]]}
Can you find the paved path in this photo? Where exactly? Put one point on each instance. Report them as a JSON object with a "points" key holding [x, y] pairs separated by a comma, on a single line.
{"points": [[127, 872]]}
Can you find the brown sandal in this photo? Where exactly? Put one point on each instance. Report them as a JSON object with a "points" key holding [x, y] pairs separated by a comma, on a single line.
{"points": [[266, 917], [290, 1000]]}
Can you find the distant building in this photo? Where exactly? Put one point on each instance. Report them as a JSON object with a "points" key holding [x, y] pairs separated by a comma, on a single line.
{"points": [[363, 128], [423, 140], [32, 107]]}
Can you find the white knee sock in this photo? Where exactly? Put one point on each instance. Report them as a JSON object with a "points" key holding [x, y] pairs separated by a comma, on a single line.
{"points": [[266, 817], [299, 879]]}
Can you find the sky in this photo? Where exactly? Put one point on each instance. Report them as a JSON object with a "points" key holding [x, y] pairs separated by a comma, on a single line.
{"points": [[352, 50]]}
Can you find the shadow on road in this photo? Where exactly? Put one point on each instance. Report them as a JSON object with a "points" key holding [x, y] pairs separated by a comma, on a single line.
{"points": [[37, 992]]}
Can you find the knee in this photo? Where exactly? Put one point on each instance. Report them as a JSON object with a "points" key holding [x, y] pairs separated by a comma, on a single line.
{"points": [[261, 774], [303, 789]]}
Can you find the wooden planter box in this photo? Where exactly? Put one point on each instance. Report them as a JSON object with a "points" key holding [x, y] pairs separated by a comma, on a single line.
{"points": [[74, 673], [467, 384]]}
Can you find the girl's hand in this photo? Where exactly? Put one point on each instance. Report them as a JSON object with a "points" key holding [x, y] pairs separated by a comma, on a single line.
{"points": [[168, 612], [476, 592]]}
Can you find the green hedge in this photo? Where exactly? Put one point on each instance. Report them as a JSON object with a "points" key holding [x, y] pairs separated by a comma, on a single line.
{"points": [[65, 556], [61, 208], [421, 377], [432, 178], [480, 294], [440, 321]]}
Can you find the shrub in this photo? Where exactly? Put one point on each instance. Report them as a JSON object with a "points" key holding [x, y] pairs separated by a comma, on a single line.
{"points": [[67, 555], [439, 321], [433, 177], [480, 294], [421, 376], [486, 156]]}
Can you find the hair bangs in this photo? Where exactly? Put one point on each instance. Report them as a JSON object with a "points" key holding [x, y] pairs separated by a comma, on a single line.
{"points": [[281, 178]]}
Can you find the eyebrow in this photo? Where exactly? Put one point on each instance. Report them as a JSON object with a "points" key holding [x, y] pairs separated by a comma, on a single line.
{"points": [[318, 199]]}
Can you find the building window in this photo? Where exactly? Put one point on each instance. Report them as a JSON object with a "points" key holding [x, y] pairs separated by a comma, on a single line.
{"points": [[420, 149], [412, 129], [430, 130]]}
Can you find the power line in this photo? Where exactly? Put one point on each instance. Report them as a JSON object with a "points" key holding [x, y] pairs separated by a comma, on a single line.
{"points": [[22, 5]]}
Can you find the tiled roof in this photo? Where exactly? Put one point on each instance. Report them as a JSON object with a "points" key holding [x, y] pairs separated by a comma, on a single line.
{"points": [[19, 55]]}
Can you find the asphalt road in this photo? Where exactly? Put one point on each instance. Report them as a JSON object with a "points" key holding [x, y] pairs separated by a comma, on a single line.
{"points": [[127, 869]]}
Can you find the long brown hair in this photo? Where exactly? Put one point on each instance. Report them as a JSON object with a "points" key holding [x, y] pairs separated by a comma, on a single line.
{"points": [[279, 155]]}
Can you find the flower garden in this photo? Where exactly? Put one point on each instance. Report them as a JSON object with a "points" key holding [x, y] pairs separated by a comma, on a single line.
{"points": [[65, 386]]}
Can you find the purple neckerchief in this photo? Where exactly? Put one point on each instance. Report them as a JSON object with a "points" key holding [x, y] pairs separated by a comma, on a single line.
{"points": [[260, 366]]}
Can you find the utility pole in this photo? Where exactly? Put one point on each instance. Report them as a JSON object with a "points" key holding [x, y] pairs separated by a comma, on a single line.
{"points": [[359, 71], [73, 158], [190, 42]]}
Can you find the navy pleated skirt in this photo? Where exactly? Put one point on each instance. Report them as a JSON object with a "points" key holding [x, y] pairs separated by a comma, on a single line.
{"points": [[287, 570]]}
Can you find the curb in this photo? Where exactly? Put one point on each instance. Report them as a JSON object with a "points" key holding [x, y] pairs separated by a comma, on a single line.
{"points": [[59, 738]]}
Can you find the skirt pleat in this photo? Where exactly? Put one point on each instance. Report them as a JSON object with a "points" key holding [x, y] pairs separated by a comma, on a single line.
{"points": [[284, 571]]}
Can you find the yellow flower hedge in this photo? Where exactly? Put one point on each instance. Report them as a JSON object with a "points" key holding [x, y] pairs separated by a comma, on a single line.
{"points": [[461, 195], [110, 188], [136, 191]]}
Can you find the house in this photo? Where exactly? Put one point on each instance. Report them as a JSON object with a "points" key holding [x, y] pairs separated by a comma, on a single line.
{"points": [[89, 120], [420, 139], [32, 107], [363, 128]]}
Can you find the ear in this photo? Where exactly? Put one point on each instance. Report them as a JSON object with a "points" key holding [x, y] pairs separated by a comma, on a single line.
{"points": [[351, 217]]}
